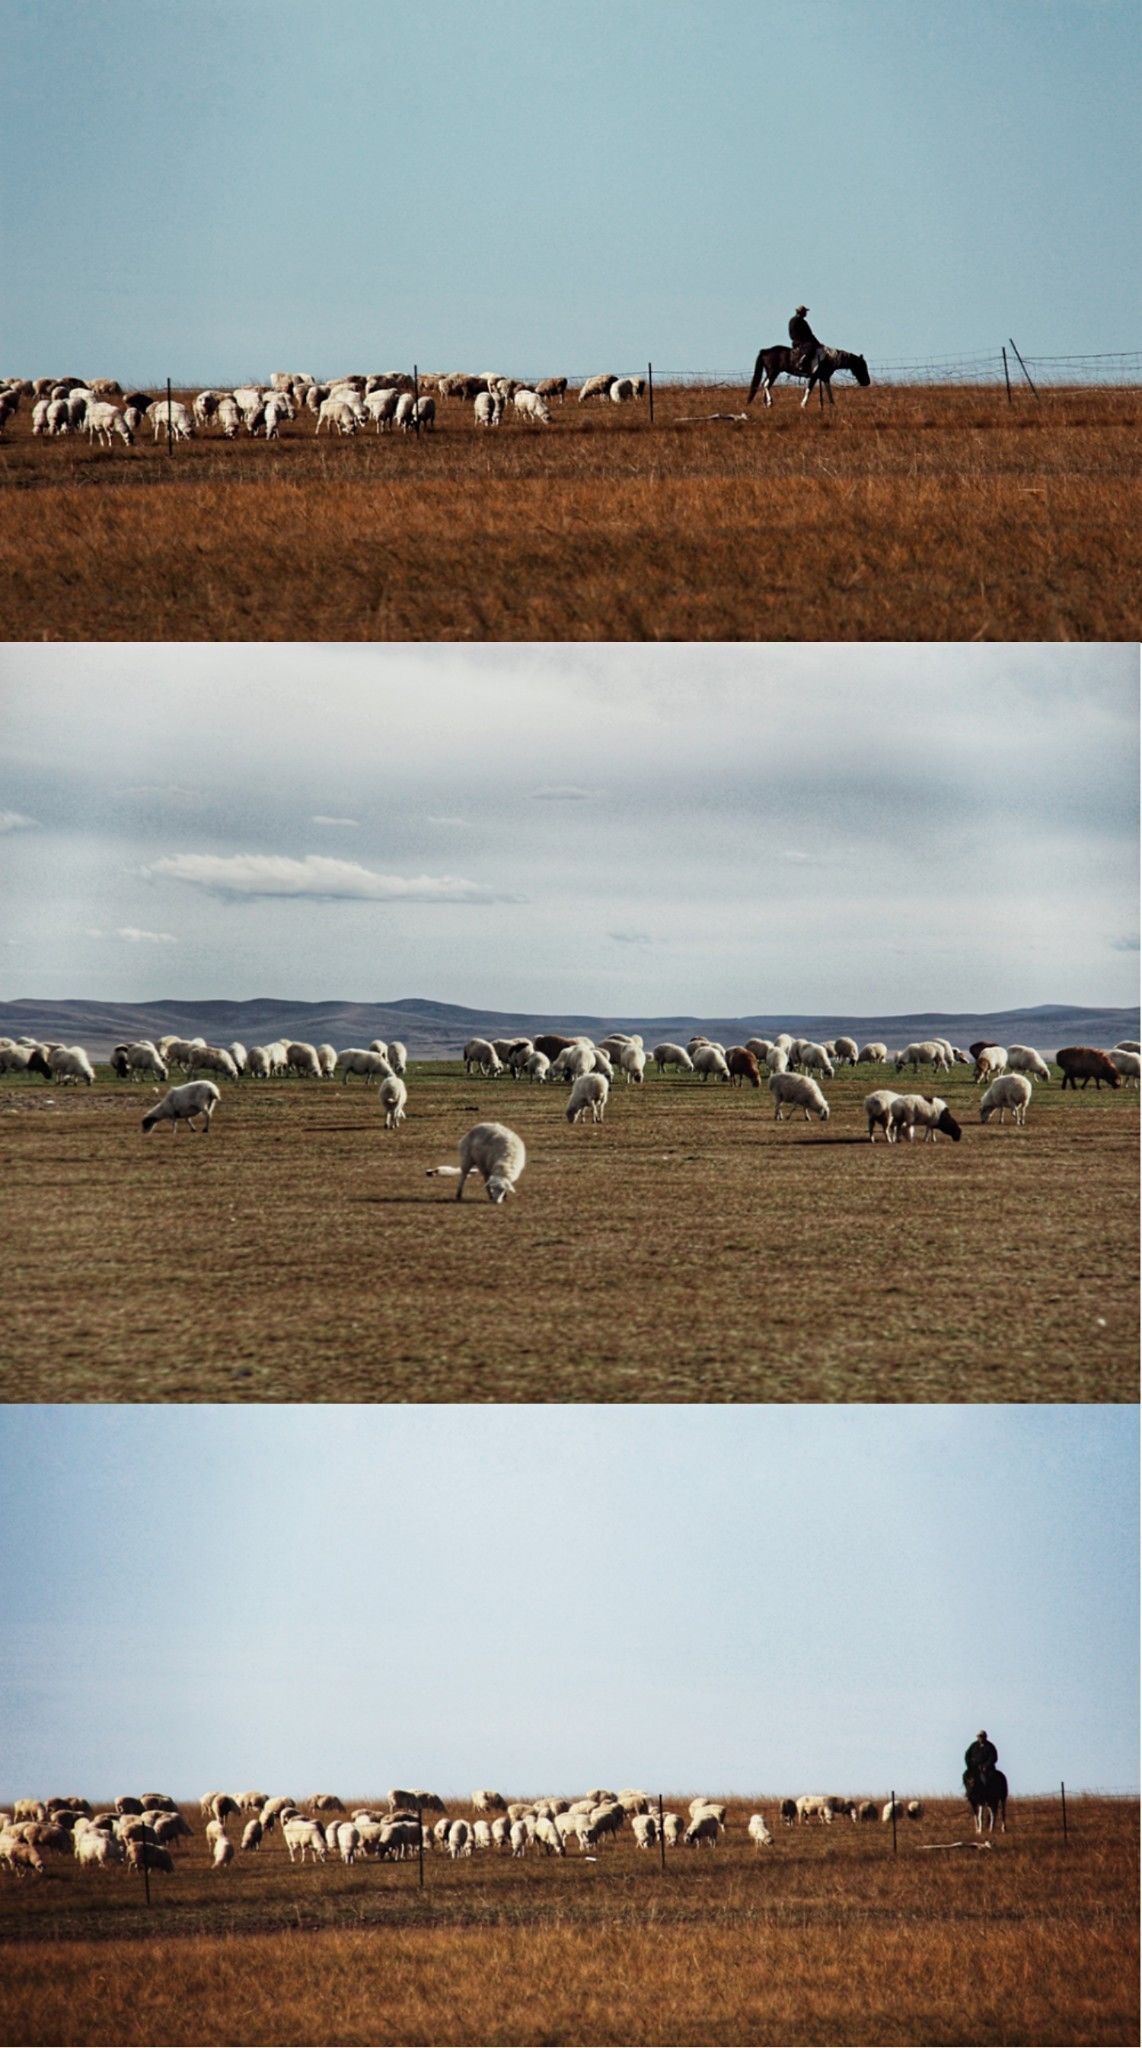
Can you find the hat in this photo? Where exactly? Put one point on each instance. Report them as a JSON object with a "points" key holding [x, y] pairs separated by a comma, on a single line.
{"points": [[800, 309], [982, 1736]]}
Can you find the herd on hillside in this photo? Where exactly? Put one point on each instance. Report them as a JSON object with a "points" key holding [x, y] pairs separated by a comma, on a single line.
{"points": [[148, 1829], [791, 1065], [385, 401]]}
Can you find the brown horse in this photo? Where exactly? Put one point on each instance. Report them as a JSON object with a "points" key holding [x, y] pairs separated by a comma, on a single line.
{"points": [[817, 366], [986, 1792]]}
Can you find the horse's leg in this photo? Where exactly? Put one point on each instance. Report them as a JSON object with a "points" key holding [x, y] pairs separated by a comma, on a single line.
{"points": [[808, 390], [767, 386]]}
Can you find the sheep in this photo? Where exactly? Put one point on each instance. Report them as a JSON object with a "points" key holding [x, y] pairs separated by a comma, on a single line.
{"points": [[1007, 1092], [381, 407], [479, 1053], [70, 1063], [596, 387], [302, 1834], [397, 1056], [892, 1810], [799, 1090], [743, 1066], [91, 1846], [252, 1834], [372, 1066], [704, 1828], [223, 1852], [106, 420], [589, 1093], [175, 416], [537, 1067], [632, 1062], [495, 1152], [1086, 1063], [551, 1043], [714, 1806], [1023, 1059], [214, 1058], [672, 1056], [816, 1057], [621, 391], [777, 1059], [530, 406], [410, 413], [302, 1060], [259, 1063], [990, 1060], [929, 1110], [393, 1095], [459, 1839], [182, 1105], [1129, 1064], [229, 417], [876, 1108], [845, 1052], [644, 1828], [489, 1802], [915, 1809], [575, 1060], [1128, 1045], [24, 1059], [788, 1812], [758, 1832], [874, 1054], [143, 1058], [149, 1856], [926, 1052], [347, 1840], [344, 413], [710, 1059]]}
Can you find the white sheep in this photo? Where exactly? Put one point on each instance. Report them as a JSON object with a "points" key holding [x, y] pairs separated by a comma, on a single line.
{"points": [[845, 1052], [144, 1058], [801, 1091], [530, 406], [459, 1839], [496, 1153], [177, 417], [710, 1059], [573, 1061], [182, 1105], [355, 1059], [777, 1059], [105, 420], [1128, 1063], [622, 391], [874, 1054], [70, 1063], [931, 1112], [537, 1066], [927, 1052], [489, 408], [990, 1061], [815, 1057], [672, 1056], [223, 1852], [519, 1838], [589, 1093], [214, 1058], [877, 1107], [1007, 1092], [381, 406], [393, 1095], [632, 1061], [644, 1828], [596, 387], [259, 1063], [229, 417], [301, 1059], [758, 1832], [479, 1053], [397, 1056], [252, 1834]]}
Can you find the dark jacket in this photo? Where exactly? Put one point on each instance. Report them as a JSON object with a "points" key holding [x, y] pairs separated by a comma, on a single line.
{"points": [[981, 1756], [802, 336]]}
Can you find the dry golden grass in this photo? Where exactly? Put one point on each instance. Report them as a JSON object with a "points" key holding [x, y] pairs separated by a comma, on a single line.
{"points": [[687, 1249], [826, 1937], [902, 514]]}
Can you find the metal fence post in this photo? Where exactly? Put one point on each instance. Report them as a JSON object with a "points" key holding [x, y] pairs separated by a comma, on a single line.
{"points": [[1006, 377], [1023, 366], [1063, 1796], [170, 426], [415, 402], [894, 1823], [650, 397], [420, 1842], [661, 1835]]}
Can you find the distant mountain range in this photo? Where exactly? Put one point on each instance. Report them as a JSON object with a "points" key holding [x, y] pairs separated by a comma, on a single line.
{"points": [[439, 1030]]}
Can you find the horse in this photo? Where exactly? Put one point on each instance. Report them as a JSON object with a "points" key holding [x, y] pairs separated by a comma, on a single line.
{"points": [[986, 1792], [818, 366]]}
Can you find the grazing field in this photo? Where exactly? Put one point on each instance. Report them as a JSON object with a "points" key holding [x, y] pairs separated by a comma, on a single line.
{"points": [[688, 1249], [824, 1937], [899, 514]]}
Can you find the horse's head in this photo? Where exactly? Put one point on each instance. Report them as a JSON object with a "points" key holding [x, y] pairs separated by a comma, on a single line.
{"points": [[859, 368]]}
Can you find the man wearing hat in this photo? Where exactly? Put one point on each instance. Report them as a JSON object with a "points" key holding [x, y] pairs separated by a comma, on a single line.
{"points": [[981, 1755], [805, 343]]}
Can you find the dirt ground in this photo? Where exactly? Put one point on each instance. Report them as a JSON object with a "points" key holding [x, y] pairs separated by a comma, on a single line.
{"points": [[688, 1249], [898, 514]]}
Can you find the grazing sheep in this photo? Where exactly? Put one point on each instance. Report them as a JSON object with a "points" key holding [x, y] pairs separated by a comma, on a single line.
{"points": [[632, 1063], [743, 1067], [302, 1060], [758, 1832], [622, 391], [930, 1111], [876, 1108], [301, 1834], [573, 1061], [927, 1052], [70, 1063], [182, 1105], [214, 1058], [801, 1091], [223, 1852], [397, 1056], [672, 1056], [589, 1093], [143, 1058], [552, 387], [537, 1066], [704, 1828], [710, 1059], [259, 1063], [777, 1059], [845, 1052], [1007, 1092], [356, 1059], [149, 1856], [479, 1053], [990, 1060], [177, 416], [106, 420], [459, 1839], [892, 1810], [597, 387], [92, 1846], [1128, 1064], [24, 1059], [1128, 1045], [1086, 1063], [1023, 1059], [644, 1828], [530, 406], [814, 1057], [874, 1054], [252, 1834], [393, 1095], [915, 1809]]}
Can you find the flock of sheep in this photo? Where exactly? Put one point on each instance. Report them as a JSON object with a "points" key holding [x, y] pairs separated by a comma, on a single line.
{"points": [[791, 1065], [386, 400], [146, 1830]]}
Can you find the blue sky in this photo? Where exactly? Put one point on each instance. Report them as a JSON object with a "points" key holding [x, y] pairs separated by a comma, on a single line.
{"points": [[746, 1599], [840, 831], [214, 191]]}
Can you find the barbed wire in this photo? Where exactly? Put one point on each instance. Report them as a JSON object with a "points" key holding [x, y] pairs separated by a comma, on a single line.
{"points": [[981, 366]]}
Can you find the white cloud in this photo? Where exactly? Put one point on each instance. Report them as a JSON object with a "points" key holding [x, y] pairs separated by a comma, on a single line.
{"points": [[14, 821], [137, 937], [255, 874], [317, 819], [560, 793]]}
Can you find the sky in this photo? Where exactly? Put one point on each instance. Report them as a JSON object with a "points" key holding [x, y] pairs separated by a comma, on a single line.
{"points": [[541, 1599], [714, 832], [543, 188]]}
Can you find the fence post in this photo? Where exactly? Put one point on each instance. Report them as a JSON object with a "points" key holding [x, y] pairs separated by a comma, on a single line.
{"points": [[661, 1835], [1023, 366], [1063, 1796], [894, 1823], [415, 402], [650, 400], [170, 427], [1006, 377], [420, 1842], [146, 1871]]}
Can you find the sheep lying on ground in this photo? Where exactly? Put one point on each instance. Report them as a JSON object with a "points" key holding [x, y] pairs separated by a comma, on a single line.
{"points": [[182, 1105], [801, 1091], [1007, 1092], [931, 1112], [589, 1093], [493, 1151]]}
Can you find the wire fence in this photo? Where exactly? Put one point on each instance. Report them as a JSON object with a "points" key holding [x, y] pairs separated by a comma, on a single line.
{"points": [[982, 366]]}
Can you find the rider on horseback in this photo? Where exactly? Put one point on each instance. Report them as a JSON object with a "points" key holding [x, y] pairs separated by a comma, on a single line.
{"points": [[981, 1755], [806, 347]]}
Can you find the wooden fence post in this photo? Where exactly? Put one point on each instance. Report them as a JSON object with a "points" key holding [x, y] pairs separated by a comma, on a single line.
{"points": [[1063, 1796], [894, 1823], [420, 1842], [170, 426], [415, 401], [650, 390], [1006, 377], [661, 1835], [1023, 366]]}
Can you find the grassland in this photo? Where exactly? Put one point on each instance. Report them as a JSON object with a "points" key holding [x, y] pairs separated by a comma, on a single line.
{"points": [[826, 1937], [688, 1249], [901, 514]]}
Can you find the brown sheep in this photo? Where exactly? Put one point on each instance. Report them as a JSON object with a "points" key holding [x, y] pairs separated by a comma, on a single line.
{"points": [[1086, 1063], [743, 1066]]}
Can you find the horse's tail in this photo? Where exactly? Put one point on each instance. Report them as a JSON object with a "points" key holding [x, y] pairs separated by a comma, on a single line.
{"points": [[758, 373]]}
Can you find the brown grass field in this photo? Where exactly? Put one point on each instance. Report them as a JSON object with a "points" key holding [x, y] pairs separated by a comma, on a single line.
{"points": [[825, 1937], [902, 514], [687, 1249]]}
